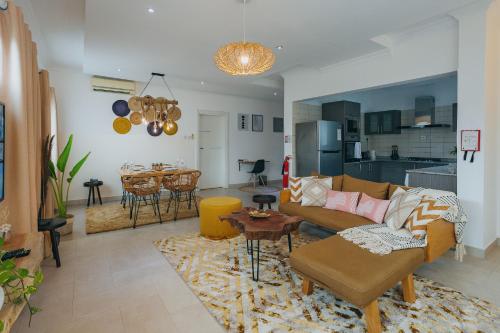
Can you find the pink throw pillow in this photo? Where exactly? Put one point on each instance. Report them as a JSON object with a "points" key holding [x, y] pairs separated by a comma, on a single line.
{"points": [[371, 208], [343, 201]]}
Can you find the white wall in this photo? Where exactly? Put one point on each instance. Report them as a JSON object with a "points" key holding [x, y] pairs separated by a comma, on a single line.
{"points": [[438, 49], [88, 116], [493, 97]]}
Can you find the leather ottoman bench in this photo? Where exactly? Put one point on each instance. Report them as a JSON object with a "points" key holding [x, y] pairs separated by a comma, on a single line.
{"points": [[356, 275]]}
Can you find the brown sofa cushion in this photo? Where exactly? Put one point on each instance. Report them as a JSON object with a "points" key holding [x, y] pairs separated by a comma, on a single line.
{"points": [[393, 188], [353, 273], [331, 219], [336, 183], [375, 190]]}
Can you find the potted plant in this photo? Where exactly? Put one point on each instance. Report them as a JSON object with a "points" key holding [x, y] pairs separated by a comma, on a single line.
{"points": [[58, 178]]}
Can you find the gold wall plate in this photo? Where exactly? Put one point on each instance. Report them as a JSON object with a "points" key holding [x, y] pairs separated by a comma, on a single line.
{"points": [[122, 125], [174, 113], [134, 103], [136, 118], [170, 128]]}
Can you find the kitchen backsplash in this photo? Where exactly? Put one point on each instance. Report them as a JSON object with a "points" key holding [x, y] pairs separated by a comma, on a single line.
{"points": [[425, 142]]}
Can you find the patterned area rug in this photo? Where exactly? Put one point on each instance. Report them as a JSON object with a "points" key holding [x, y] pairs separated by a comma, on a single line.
{"points": [[112, 216], [219, 273]]}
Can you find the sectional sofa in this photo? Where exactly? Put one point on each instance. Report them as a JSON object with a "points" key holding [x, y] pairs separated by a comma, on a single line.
{"points": [[350, 272]]}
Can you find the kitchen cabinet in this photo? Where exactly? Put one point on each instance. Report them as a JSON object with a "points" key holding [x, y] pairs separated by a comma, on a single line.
{"points": [[385, 122], [353, 169], [363, 170]]}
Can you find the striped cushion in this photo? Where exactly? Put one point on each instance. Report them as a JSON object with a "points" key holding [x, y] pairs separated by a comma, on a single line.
{"points": [[401, 206], [427, 211], [295, 185]]}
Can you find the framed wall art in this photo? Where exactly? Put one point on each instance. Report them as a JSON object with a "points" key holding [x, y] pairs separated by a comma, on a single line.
{"points": [[257, 123]]}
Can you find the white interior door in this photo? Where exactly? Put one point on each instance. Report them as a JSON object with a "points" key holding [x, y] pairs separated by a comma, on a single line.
{"points": [[212, 144]]}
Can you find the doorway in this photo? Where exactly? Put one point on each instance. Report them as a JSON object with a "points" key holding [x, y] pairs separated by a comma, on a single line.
{"points": [[213, 149]]}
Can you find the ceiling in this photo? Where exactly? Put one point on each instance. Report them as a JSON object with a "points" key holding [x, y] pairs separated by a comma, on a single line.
{"points": [[119, 38]]}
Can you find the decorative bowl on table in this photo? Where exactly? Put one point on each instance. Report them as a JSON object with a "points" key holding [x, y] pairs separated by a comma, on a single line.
{"points": [[258, 214]]}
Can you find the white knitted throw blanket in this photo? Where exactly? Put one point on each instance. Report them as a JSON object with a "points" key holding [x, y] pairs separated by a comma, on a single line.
{"points": [[382, 240]]}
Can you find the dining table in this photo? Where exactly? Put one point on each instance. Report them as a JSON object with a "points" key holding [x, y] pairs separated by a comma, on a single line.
{"points": [[165, 171]]}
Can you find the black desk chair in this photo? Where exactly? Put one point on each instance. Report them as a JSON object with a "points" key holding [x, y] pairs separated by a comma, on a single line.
{"points": [[92, 185], [256, 172], [51, 225]]}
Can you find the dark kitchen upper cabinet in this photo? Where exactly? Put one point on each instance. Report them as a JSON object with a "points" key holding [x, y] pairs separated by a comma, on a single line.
{"points": [[385, 122]]}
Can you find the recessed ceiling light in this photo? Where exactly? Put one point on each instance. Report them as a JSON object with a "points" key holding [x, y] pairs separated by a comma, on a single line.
{"points": [[280, 47], [119, 70], [275, 93], [202, 83], [151, 10]]}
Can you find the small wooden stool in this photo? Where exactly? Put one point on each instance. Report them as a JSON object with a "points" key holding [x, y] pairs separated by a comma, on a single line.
{"points": [[262, 199], [92, 185]]}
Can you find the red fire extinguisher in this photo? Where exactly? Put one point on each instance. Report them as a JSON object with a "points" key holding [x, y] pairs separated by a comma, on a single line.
{"points": [[284, 171]]}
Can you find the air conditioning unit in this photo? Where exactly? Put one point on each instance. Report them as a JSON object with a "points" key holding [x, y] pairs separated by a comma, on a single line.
{"points": [[106, 84]]}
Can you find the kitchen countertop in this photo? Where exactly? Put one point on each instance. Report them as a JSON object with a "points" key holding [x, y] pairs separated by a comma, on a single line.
{"points": [[404, 160], [443, 170]]}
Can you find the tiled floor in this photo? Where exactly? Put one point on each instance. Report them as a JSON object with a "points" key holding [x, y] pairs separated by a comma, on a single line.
{"points": [[118, 282]]}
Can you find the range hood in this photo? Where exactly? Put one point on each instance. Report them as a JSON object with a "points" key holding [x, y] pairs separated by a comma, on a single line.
{"points": [[425, 110]]}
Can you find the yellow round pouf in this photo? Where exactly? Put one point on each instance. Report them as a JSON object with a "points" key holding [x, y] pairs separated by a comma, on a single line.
{"points": [[210, 210]]}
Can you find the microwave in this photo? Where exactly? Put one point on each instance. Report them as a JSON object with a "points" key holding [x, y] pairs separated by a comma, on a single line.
{"points": [[352, 129]]}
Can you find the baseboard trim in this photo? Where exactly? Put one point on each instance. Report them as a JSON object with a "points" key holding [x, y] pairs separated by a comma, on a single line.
{"points": [[479, 253]]}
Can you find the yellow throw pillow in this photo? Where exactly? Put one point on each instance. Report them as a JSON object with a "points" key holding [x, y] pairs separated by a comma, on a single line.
{"points": [[428, 210]]}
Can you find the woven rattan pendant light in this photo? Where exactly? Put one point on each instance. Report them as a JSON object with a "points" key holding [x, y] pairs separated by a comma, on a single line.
{"points": [[244, 58]]}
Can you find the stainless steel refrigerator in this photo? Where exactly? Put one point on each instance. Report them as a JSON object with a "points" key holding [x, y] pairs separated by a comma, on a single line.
{"points": [[318, 147]]}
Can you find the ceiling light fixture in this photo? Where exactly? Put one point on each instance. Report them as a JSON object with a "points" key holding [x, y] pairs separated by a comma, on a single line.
{"points": [[244, 58], [119, 70], [151, 10], [202, 83], [275, 93], [280, 47], [4, 5]]}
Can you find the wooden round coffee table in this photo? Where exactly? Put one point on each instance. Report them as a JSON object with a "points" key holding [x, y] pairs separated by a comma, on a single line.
{"points": [[271, 228]]}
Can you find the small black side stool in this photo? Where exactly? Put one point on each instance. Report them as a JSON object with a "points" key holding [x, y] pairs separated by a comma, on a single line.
{"points": [[262, 199], [92, 185], [51, 225]]}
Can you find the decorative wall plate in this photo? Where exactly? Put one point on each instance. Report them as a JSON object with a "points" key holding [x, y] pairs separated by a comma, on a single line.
{"points": [[136, 118], [122, 125], [150, 115], [170, 127], [135, 104], [154, 128], [174, 113], [120, 108]]}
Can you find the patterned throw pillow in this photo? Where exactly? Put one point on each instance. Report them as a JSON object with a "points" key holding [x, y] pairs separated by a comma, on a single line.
{"points": [[314, 191], [371, 208], [343, 201], [401, 206], [295, 185], [427, 211]]}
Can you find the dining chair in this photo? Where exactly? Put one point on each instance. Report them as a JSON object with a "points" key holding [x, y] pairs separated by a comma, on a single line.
{"points": [[144, 187], [256, 173], [182, 187]]}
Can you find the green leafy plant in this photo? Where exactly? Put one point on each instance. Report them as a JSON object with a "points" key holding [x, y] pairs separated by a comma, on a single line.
{"points": [[58, 178], [18, 284]]}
